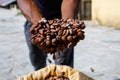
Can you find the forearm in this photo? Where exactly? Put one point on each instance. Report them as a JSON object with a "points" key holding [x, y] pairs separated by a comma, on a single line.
{"points": [[29, 10], [68, 8]]}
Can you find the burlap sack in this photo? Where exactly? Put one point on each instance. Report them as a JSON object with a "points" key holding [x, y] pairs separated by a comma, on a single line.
{"points": [[55, 70]]}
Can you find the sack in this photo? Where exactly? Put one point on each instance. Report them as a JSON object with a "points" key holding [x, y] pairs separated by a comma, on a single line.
{"points": [[55, 70]]}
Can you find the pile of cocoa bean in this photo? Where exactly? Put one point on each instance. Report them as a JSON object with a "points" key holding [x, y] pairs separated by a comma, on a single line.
{"points": [[57, 78], [58, 34]]}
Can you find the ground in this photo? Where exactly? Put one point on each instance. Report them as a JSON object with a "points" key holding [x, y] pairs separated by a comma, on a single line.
{"points": [[96, 56]]}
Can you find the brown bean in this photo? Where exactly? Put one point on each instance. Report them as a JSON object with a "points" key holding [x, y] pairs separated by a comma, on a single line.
{"points": [[79, 34], [64, 32], [69, 38], [54, 41], [64, 38], [54, 30], [39, 39], [48, 43], [70, 45], [41, 31], [50, 22], [82, 26]]}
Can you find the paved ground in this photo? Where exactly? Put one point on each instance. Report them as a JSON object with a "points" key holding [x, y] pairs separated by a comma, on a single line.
{"points": [[99, 52]]}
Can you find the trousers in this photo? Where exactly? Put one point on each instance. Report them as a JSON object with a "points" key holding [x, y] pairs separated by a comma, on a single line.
{"points": [[38, 57]]}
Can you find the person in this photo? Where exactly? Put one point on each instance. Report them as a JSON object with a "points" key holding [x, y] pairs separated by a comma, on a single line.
{"points": [[35, 10]]}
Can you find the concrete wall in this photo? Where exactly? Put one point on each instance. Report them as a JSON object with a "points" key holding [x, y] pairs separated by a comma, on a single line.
{"points": [[106, 12]]}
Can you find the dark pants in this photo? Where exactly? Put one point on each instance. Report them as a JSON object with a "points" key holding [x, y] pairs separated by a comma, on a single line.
{"points": [[38, 57]]}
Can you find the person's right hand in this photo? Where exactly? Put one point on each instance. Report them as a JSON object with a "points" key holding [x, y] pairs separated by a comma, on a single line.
{"points": [[30, 11]]}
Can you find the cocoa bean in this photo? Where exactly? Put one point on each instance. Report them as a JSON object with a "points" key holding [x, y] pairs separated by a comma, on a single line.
{"points": [[64, 32], [82, 26], [79, 34], [48, 43], [64, 38], [70, 31], [54, 30], [69, 38], [41, 31], [39, 39], [78, 30], [52, 27], [55, 35], [54, 41], [70, 45], [50, 22]]}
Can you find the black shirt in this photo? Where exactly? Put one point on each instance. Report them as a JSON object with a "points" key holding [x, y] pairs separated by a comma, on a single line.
{"points": [[49, 7]]}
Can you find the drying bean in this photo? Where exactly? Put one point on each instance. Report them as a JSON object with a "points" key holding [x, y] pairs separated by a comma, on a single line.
{"points": [[56, 35]]}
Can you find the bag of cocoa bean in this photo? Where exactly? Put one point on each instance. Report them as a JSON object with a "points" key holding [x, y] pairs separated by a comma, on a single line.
{"points": [[56, 72]]}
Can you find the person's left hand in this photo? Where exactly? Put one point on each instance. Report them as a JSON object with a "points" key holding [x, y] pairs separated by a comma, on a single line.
{"points": [[33, 26]]}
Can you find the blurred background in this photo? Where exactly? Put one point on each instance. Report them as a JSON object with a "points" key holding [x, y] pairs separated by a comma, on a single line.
{"points": [[97, 56]]}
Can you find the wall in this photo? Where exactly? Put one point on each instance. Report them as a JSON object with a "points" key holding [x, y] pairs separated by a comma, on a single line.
{"points": [[106, 12]]}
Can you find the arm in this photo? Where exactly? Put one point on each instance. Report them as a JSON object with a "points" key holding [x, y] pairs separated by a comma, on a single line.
{"points": [[30, 11], [69, 8]]}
